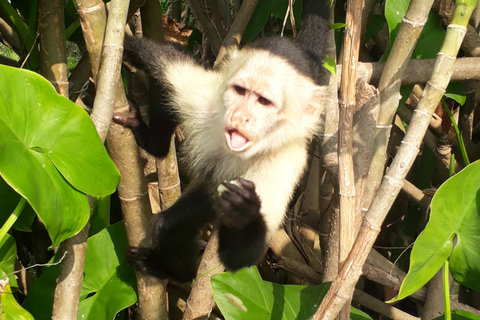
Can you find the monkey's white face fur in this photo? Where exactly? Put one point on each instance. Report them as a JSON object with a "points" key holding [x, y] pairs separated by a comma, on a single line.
{"points": [[267, 103]]}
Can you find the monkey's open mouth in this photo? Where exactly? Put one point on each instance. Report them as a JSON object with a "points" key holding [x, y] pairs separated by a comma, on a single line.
{"points": [[236, 141]]}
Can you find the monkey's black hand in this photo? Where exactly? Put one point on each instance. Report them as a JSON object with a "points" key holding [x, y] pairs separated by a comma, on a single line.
{"points": [[240, 205], [133, 121], [242, 232]]}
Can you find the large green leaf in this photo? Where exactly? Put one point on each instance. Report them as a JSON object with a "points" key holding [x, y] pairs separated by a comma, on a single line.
{"points": [[47, 145], [109, 283], [454, 213], [244, 295], [9, 307], [259, 18]]}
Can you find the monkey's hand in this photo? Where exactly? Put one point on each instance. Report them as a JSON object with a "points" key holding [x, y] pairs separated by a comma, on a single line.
{"points": [[133, 120], [239, 203], [242, 232]]}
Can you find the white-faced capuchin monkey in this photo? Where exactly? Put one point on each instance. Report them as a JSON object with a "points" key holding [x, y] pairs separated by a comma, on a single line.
{"points": [[247, 128]]}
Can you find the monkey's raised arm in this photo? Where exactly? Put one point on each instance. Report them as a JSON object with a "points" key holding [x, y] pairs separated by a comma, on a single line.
{"points": [[173, 97]]}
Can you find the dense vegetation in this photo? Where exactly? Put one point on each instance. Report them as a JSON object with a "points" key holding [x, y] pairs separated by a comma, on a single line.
{"points": [[393, 168]]}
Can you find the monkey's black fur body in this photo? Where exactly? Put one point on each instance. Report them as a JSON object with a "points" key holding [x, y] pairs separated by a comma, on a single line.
{"points": [[248, 122]]}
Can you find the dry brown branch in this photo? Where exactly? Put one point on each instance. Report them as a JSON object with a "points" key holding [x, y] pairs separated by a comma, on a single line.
{"points": [[419, 71], [152, 21], [434, 304], [206, 26], [347, 105], [234, 36], [381, 307], [10, 36], [53, 55], [200, 301], [328, 143], [69, 281]]}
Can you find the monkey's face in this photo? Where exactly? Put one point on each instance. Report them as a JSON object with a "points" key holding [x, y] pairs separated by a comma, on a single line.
{"points": [[266, 101]]}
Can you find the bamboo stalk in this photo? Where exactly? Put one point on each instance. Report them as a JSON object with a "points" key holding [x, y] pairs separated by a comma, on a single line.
{"points": [[344, 284], [389, 87], [347, 104]]}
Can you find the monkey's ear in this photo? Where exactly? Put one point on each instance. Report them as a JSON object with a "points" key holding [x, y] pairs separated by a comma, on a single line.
{"points": [[318, 101]]}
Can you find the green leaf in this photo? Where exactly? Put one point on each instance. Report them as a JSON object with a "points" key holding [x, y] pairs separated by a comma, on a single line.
{"points": [[461, 315], [51, 152], [456, 92], [394, 12], [100, 219], [431, 38], [109, 282], [10, 309], [258, 20], [8, 253], [330, 65], [244, 295], [337, 26], [376, 23], [9, 200], [356, 314], [454, 212]]}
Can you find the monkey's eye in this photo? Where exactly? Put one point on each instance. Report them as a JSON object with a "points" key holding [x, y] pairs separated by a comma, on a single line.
{"points": [[264, 101], [239, 90]]}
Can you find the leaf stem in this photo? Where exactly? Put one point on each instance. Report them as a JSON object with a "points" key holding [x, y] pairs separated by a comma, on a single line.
{"points": [[446, 291], [13, 217], [461, 144]]}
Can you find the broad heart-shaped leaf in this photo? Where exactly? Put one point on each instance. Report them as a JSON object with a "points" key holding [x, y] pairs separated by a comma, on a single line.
{"points": [[47, 145], [10, 309], [108, 284], [107, 275], [454, 212], [244, 295]]}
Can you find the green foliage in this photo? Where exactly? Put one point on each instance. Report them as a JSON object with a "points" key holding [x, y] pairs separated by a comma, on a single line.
{"points": [[330, 65], [454, 214], [244, 295], [8, 253], [52, 154], [109, 282], [108, 285], [10, 309], [461, 315]]}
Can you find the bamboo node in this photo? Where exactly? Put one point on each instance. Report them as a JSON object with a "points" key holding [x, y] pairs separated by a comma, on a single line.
{"points": [[394, 181]]}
